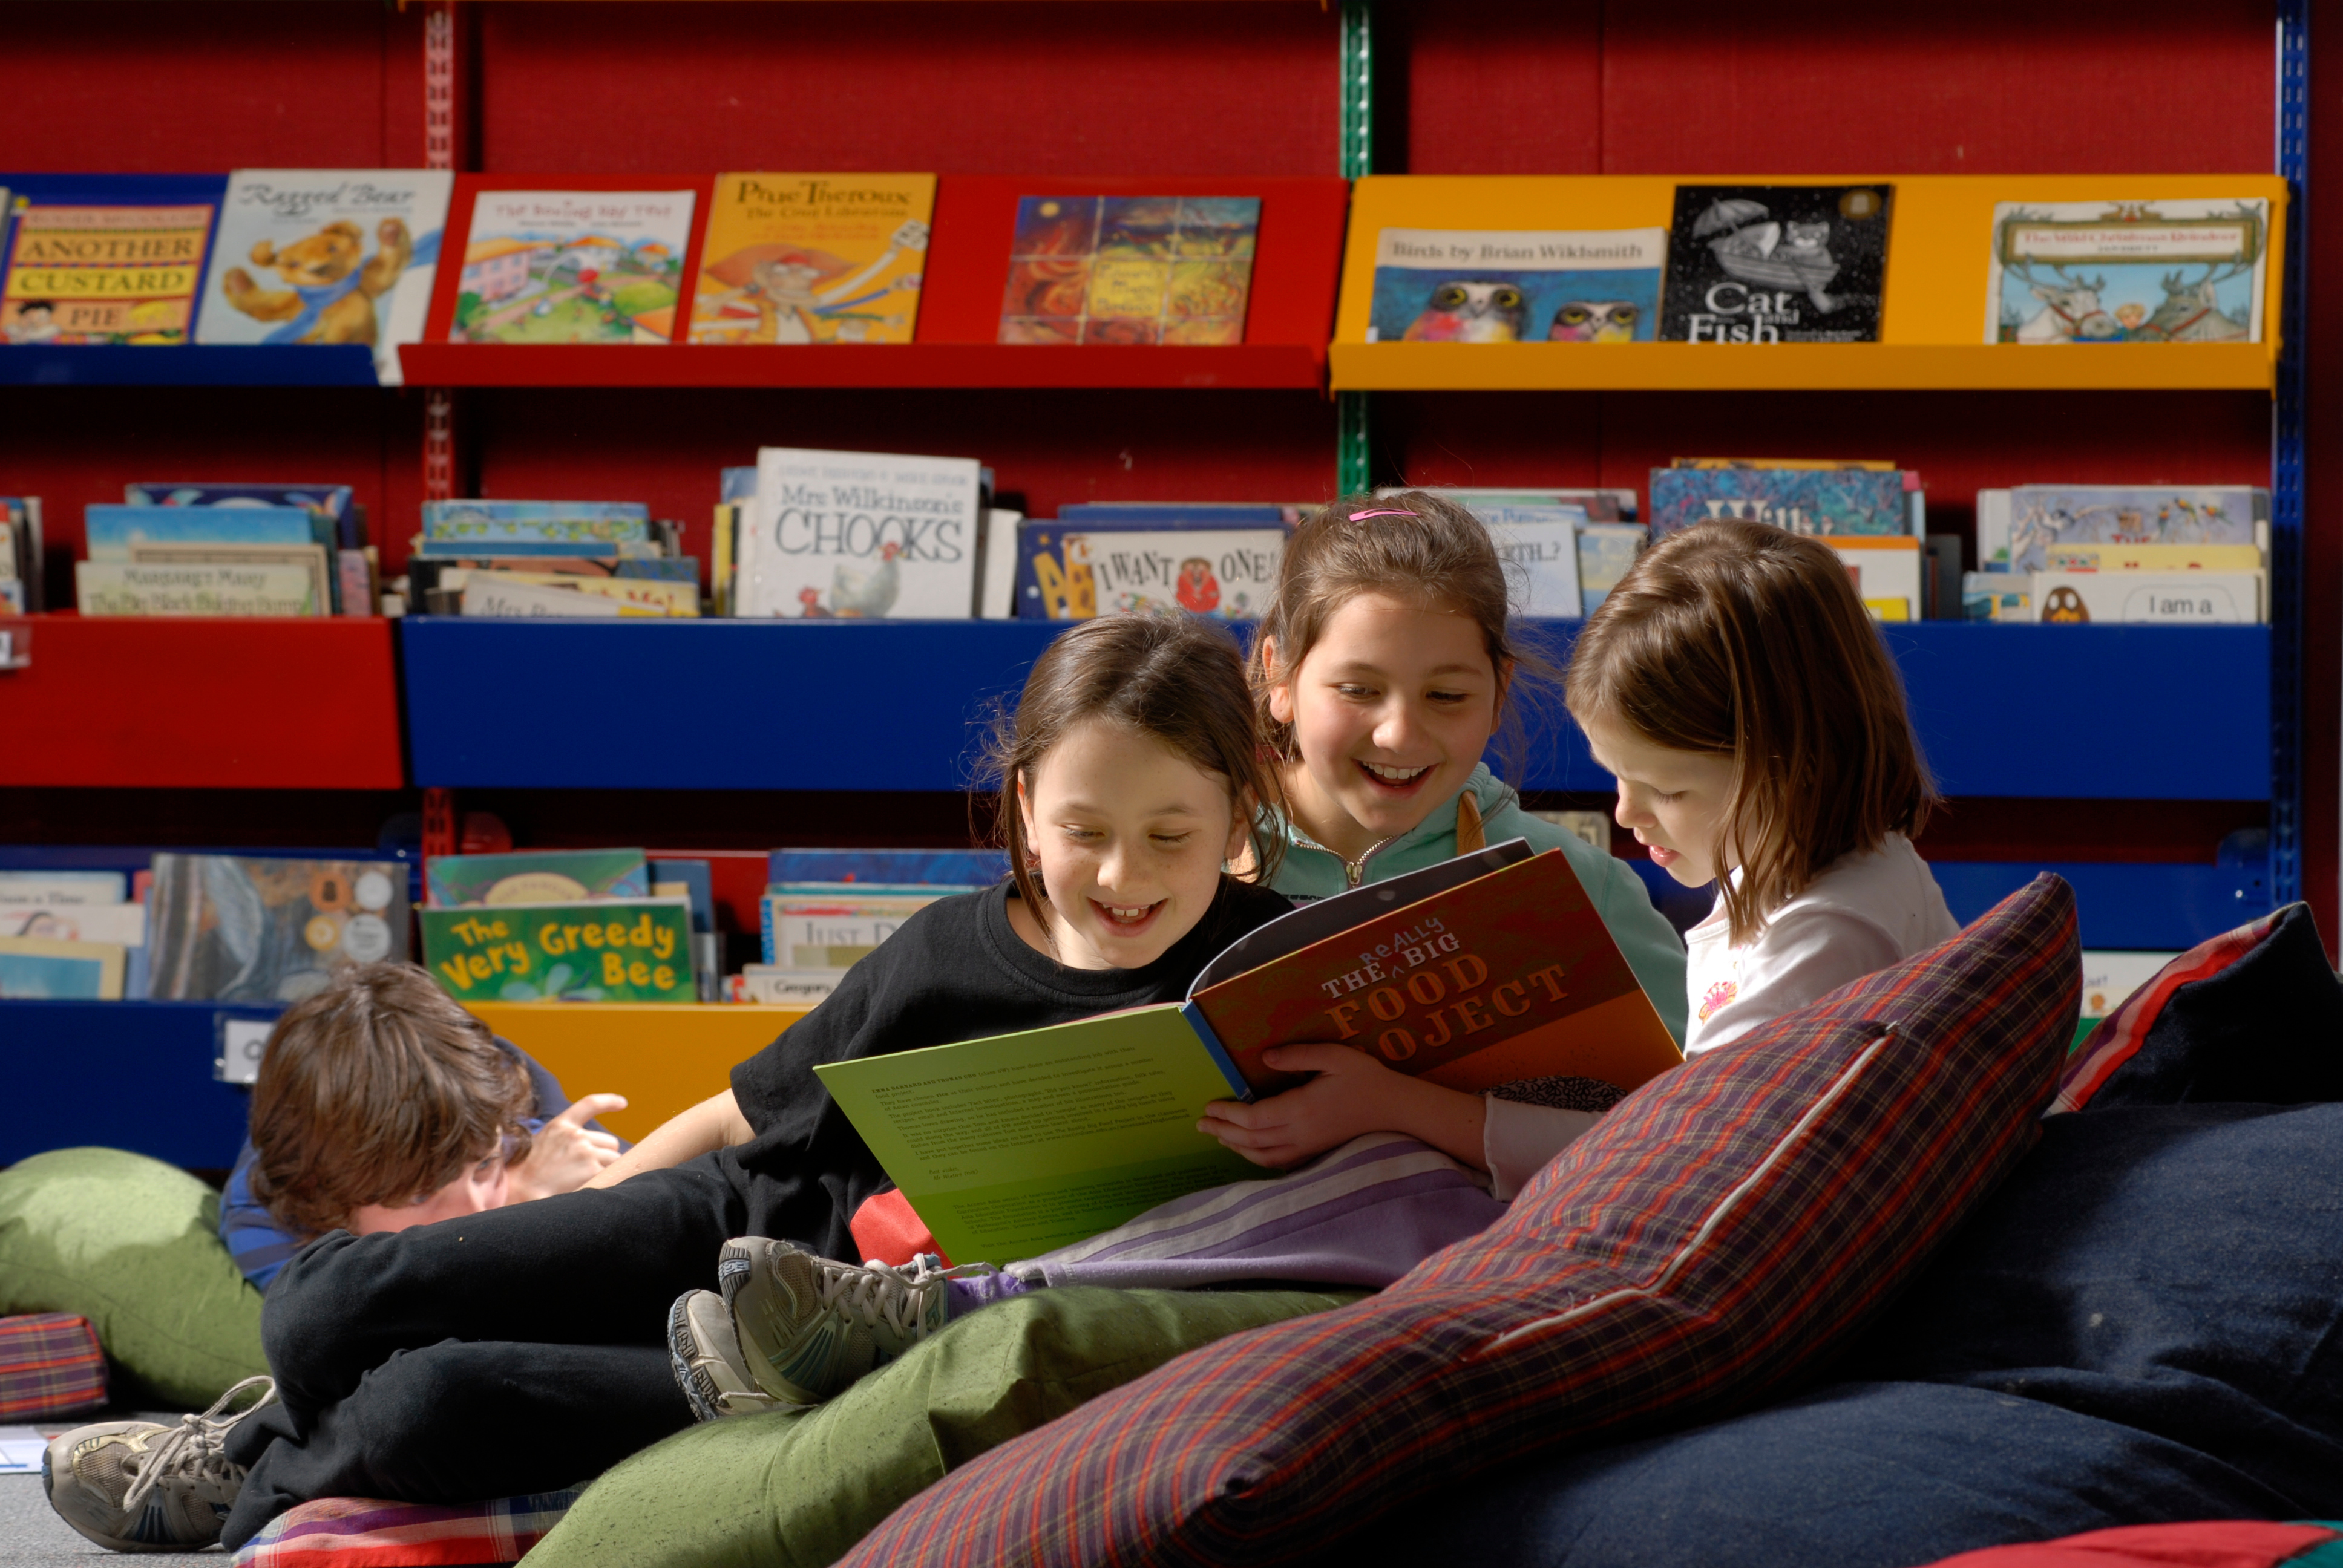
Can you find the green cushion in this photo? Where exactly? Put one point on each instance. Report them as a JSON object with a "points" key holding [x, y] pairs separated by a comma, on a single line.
{"points": [[795, 1489], [133, 1245]]}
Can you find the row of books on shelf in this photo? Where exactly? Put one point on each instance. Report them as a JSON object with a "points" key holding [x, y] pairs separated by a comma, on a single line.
{"points": [[351, 256], [198, 927], [532, 925], [858, 535], [286, 257]]}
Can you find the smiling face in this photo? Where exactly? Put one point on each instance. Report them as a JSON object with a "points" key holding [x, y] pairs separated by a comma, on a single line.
{"points": [[1391, 709], [1130, 836], [1673, 801]]}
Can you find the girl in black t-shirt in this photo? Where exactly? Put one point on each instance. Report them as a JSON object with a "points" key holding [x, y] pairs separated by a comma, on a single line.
{"points": [[518, 1349]]}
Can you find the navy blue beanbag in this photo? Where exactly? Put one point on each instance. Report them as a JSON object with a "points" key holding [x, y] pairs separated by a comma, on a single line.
{"points": [[2144, 1324]]}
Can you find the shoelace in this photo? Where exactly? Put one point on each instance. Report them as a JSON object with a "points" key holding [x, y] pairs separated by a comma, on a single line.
{"points": [[193, 1447], [894, 1292]]}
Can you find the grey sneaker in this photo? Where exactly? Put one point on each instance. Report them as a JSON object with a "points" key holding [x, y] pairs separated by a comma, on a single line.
{"points": [[809, 1327], [141, 1486], [706, 1355]]}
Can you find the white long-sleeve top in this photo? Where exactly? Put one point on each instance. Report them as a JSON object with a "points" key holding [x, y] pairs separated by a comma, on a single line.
{"points": [[1865, 911]]}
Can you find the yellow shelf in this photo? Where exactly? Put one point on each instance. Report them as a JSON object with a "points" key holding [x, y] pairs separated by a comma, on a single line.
{"points": [[664, 1058], [1784, 366], [1932, 325]]}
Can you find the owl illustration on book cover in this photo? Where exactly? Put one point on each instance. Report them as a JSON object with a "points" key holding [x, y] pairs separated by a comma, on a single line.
{"points": [[1456, 286], [1776, 264]]}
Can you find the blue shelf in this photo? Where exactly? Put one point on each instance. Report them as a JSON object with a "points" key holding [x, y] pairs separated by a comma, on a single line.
{"points": [[133, 1075], [710, 704], [2158, 908], [2138, 712], [194, 365]]}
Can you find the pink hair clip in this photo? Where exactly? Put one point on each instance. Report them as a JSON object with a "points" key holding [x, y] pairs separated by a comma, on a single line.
{"points": [[1394, 512]]}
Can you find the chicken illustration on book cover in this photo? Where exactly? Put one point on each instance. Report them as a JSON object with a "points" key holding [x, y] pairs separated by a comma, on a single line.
{"points": [[106, 258], [1776, 264], [326, 255], [1454, 285], [860, 536], [2127, 272], [812, 258], [572, 266], [1130, 269]]}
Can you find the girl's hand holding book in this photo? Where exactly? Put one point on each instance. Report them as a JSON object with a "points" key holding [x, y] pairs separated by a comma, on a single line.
{"points": [[1352, 1094]]}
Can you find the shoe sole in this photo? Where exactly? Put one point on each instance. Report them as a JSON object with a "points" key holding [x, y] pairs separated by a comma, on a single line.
{"points": [[700, 1390]]}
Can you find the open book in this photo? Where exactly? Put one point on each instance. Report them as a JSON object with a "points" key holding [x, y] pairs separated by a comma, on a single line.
{"points": [[1480, 971]]}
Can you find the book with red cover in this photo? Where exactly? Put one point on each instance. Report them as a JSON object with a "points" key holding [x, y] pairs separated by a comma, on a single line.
{"points": [[1484, 970], [569, 258]]}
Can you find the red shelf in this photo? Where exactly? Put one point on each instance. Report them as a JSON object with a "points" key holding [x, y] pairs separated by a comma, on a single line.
{"points": [[1288, 319], [975, 365], [309, 704]]}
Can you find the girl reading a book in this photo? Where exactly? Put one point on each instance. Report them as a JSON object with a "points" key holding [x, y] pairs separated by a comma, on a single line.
{"points": [[516, 1350], [1385, 664], [1735, 686]]}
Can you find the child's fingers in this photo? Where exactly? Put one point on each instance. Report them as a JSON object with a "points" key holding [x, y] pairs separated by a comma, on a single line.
{"points": [[1311, 1058], [586, 1107], [606, 1143]]}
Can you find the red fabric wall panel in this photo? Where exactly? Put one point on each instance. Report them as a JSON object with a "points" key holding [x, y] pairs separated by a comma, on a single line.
{"points": [[71, 446], [163, 86], [1982, 87], [1036, 88]]}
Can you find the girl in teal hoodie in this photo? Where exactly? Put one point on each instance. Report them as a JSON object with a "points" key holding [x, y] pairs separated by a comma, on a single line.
{"points": [[1381, 667]]}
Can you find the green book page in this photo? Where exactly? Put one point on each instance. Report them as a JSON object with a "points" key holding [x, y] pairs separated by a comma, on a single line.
{"points": [[1011, 1146]]}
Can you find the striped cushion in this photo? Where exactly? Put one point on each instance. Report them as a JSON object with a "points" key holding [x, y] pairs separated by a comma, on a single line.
{"points": [[2254, 1016], [1724, 1226], [49, 1363], [366, 1532]]}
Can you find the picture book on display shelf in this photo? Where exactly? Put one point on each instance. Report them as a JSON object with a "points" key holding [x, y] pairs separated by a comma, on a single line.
{"points": [[2127, 272], [1489, 969], [325, 256], [1130, 269], [860, 536], [812, 258], [106, 258], [569, 258], [1776, 264], [1517, 285]]}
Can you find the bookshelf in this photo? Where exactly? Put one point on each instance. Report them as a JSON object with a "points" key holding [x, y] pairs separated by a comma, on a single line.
{"points": [[2201, 734], [2181, 737]]}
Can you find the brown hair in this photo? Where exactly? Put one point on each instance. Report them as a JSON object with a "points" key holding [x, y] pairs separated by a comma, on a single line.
{"points": [[1414, 546], [378, 1090], [1742, 640], [1173, 676]]}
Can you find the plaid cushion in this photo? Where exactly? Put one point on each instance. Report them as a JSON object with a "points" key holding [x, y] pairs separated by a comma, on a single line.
{"points": [[49, 1363], [362, 1533], [1724, 1226], [2252, 1016]]}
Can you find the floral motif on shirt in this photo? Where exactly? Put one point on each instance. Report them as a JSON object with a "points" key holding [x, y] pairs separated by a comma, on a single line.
{"points": [[1718, 997]]}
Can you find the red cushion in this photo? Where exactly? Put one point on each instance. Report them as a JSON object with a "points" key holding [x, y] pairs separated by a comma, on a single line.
{"points": [[50, 1364], [2222, 1543], [369, 1532], [888, 1231], [1726, 1225]]}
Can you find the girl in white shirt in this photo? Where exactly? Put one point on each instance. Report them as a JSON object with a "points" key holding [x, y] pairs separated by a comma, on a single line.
{"points": [[1737, 688]]}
